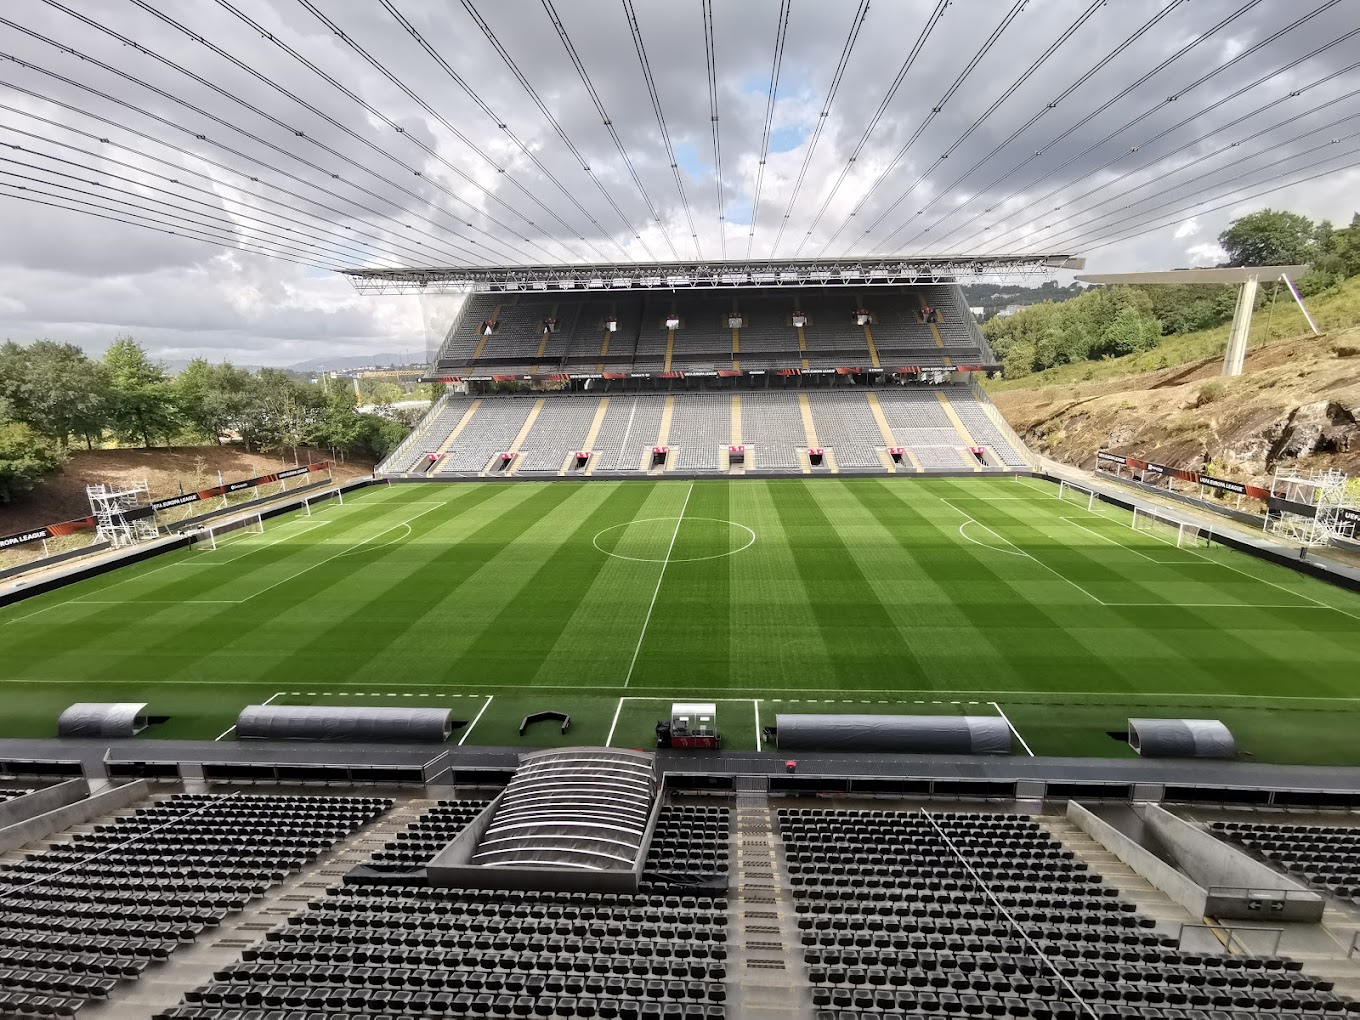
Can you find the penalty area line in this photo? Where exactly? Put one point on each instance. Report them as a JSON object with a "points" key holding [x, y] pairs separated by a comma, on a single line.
{"points": [[1006, 719], [476, 719], [229, 729]]}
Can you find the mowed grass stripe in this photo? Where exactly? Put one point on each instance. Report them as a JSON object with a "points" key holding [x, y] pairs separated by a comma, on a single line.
{"points": [[865, 646], [1043, 642], [519, 642], [775, 641], [193, 639], [902, 559], [78, 640], [597, 638], [687, 642], [342, 632]]}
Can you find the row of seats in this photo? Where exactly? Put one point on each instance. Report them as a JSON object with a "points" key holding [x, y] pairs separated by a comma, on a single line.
{"points": [[921, 914], [773, 427], [93, 911], [368, 947], [1326, 857]]}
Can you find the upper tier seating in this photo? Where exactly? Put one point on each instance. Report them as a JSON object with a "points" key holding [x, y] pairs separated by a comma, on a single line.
{"points": [[1325, 856], [94, 911], [369, 950], [703, 342], [905, 914]]}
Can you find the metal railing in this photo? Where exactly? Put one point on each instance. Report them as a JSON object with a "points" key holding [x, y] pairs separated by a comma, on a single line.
{"points": [[1231, 938]]}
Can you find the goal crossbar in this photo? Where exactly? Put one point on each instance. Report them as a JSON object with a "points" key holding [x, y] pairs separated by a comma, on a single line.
{"points": [[1071, 492], [1168, 529], [212, 536]]}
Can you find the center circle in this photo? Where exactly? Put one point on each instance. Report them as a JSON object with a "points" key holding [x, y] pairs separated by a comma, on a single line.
{"points": [[665, 538]]}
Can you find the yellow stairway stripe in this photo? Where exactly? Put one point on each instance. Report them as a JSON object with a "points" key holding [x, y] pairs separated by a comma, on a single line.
{"points": [[957, 422], [736, 419], [802, 346], [873, 351], [885, 430], [477, 352], [670, 348], [444, 447], [589, 443]]}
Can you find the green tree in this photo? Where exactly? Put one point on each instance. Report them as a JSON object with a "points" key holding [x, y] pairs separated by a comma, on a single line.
{"points": [[142, 405], [1268, 238], [25, 457], [212, 399], [55, 390]]}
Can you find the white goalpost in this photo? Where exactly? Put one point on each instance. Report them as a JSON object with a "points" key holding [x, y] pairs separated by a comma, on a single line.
{"points": [[1070, 492], [1168, 529], [322, 497], [213, 536]]}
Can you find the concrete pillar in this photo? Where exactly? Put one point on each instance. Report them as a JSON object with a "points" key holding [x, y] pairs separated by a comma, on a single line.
{"points": [[1236, 357]]}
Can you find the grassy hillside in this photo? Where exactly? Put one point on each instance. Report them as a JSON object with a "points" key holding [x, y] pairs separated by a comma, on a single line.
{"points": [[1331, 310]]}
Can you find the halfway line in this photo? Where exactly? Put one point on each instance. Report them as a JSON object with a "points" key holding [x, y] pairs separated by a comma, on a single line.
{"points": [[661, 577]]}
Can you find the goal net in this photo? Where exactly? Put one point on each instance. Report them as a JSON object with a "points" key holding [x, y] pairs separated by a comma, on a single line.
{"points": [[211, 537], [1069, 492], [1169, 530]]}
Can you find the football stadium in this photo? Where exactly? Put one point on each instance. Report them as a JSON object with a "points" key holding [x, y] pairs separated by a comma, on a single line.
{"points": [[711, 646]]}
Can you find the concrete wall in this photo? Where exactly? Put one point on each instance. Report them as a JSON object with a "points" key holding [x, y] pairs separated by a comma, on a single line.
{"points": [[1237, 886], [60, 819], [39, 802], [1159, 874]]}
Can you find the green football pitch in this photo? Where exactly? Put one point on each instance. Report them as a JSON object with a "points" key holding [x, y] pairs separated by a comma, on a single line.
{"points": [[608, 600]]}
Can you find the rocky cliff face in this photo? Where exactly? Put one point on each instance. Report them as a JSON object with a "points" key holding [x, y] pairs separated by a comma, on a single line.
{"points": [[1298, 401]]}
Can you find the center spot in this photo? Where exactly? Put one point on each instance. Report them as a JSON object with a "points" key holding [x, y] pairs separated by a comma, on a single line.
{"points": [[697, 538]]}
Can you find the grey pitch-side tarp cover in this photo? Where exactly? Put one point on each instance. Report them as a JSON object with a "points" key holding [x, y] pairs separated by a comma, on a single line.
{"points": [[899, 734], [1181, 738], [102, 719], [326, 722]]}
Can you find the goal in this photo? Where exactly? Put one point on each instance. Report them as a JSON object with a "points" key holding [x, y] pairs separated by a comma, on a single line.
{"points": [[211, 537], [1069, 492], [1168, 529]]}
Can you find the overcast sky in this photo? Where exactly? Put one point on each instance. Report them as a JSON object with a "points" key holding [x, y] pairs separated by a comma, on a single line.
{"points": [[1000, 148]]}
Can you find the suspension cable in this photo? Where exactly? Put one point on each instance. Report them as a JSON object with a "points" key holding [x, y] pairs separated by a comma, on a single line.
{"points": [[226, 94], [187, 227], [232, 127], [1161, 180], [855, 25], [711, 59], [1179, 93], [1102, 231], [217, 198], [1194, 210], [631, 15], [935, 111], [986, 189], [189, 154], [340, 126], [1235, 94], [30, 195], [526, 151], [556, 126], [779, 35], [1014, 87], [893, 86]]}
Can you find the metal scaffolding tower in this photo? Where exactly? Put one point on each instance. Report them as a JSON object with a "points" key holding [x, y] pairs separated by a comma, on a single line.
{"points": [[115, 517], [1312, 509]]}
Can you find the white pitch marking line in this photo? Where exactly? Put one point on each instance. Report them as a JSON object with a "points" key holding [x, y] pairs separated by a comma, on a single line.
{"points": [[476, 719], [1012, 728], [1114, 541], [321, 563], [271, 697], [963, 534], [755, 705], [253, 547], [657, 591], [617, 709], [1031, 556]]}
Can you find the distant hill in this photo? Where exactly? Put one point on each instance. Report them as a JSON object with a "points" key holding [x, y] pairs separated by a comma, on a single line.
{"points": [[387, 359]]}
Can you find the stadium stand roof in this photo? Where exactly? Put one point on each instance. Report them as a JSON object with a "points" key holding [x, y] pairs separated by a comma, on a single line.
{"points": [[585, 808], [603, 276]]}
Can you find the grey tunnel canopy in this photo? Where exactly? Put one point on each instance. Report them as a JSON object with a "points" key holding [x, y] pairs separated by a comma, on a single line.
{"points": [[900, 734], [103, 719], [327, 722], [1181, 738]]}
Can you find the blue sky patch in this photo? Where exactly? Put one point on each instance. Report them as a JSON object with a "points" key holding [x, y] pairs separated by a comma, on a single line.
{"points": [[688, 158], [790, 136]]}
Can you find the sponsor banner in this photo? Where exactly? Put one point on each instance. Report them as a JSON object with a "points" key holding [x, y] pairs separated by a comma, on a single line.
{"points": [[670, 375], [1347, 514], [1223, 485], [728, 373], [1111, 458], [849, 371], [24, 537], [1279, 505], [172, 501]]}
